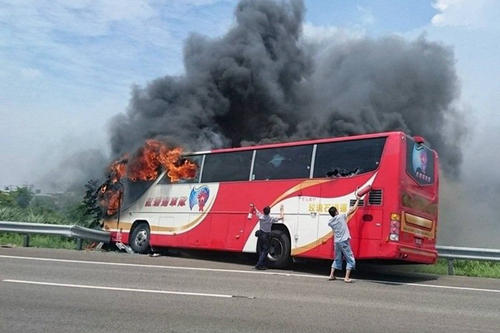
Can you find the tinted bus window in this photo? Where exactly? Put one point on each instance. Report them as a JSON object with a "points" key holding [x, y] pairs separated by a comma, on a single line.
{"points": [[346, 158], [223, 167], [197, 159], [283, 163], [419, 162]]}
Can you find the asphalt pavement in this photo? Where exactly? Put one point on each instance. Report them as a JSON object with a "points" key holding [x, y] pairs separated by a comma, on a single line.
{"points": [[44, 290]]}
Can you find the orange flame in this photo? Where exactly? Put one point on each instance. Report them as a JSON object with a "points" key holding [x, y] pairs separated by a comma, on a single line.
{"points": [[146, 163], [144, 166], [186, 170], [114, 202], [118, 169]]}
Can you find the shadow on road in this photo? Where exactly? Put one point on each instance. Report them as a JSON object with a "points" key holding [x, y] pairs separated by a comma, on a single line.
{"points": [[366, 270]]}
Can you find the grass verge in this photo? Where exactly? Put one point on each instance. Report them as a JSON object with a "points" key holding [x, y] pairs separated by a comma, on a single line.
{"points": [[476, 268], [43, 241]]}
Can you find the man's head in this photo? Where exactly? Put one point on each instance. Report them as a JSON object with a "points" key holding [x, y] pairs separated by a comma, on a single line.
{"points": [[333, 211], [266, 210]]}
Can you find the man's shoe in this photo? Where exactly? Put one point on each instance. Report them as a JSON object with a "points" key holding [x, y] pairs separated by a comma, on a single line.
{"points": [[261, 268]]}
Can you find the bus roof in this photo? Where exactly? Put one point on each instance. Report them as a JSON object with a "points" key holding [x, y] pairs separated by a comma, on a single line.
{"points": [[298, 143]]}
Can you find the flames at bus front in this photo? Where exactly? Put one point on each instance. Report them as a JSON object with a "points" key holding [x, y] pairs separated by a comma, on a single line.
{"points": [[145, 165]]}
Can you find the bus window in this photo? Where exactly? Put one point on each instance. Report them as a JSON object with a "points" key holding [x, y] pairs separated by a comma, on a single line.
{"points": [[283, 163], [197, 159], [419, 162], [347, 158], [223, 167]]}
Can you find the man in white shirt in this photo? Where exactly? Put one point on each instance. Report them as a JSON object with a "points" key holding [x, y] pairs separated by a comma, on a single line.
{"points": [[342, 237]]}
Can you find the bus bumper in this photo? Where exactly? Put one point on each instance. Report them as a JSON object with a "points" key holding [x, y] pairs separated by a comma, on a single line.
{"points": [[415, 254]]}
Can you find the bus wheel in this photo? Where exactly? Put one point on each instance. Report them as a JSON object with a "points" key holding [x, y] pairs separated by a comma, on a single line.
{"points": [[279, 249], [139, 239]]}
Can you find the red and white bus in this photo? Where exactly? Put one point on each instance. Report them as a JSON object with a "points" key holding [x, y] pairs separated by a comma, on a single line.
{"points": [[396, 220]]}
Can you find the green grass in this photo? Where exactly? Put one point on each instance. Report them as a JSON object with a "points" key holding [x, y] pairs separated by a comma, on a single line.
{"points": [[29, 215], [33, 216], [43, 241], [476, 268]]}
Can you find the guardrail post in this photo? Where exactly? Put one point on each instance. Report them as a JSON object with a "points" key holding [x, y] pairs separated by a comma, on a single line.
{"points": [[79, 243], [451, 269], [26, 240]]}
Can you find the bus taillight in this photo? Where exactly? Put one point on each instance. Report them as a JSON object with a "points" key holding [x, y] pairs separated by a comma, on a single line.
{"points": [[395, 226]]}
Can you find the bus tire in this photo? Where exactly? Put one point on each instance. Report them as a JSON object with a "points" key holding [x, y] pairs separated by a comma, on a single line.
{"points": [[139, 239], [279, 249]]}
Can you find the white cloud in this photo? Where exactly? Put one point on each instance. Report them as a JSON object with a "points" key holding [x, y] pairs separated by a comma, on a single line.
{"points": [[68, 65], [94, 17], [473, 14], [367, 18], [30, 73], [330, 34], [198, 3]]}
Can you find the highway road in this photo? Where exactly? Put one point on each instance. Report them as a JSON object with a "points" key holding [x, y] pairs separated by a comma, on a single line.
{"points": [[43, 290]]}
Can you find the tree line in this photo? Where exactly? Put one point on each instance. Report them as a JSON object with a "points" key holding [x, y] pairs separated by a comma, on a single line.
{"points": [[23, 205]]}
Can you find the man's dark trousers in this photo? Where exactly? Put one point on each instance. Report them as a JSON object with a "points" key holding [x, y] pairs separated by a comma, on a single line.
{"points": [[263, 246]]}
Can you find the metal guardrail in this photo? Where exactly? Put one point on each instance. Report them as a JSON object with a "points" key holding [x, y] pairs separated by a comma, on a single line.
{"points": [[468, 253], [74, 231], [70, 231]]}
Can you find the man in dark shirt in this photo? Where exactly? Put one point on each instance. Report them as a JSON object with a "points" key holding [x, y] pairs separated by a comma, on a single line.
{"points": [[264, 239]]}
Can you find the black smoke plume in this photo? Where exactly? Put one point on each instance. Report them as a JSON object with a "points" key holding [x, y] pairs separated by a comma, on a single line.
{"points": [[264, 81]]}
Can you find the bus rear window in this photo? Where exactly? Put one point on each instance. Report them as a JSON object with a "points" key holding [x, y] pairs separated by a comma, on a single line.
{"points": [[346, 158], [419, 162]]}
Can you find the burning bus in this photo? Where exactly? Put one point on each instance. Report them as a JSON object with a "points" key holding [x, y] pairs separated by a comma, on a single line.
{"points": [[201, 200]]}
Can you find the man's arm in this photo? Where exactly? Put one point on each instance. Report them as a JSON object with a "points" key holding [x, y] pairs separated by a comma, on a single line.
{"points": [[276, 219], [353, 208]]}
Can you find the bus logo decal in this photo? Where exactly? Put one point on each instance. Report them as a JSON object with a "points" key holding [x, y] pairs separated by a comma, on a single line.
{"points": [[199, 196]]}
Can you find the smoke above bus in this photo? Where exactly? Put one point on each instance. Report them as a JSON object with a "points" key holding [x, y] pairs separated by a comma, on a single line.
{"points": [[266, 81]]}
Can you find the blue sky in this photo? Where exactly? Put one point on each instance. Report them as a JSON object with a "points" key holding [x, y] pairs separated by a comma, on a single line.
{"points": [[68, 66]]}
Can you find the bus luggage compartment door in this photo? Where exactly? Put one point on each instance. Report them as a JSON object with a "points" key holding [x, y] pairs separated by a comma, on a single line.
{"points": [[367, 223]]}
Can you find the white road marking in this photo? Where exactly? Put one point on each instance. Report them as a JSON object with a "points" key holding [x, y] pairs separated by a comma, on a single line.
{"points": [[151, 291], [435, 286], [243, 272]]}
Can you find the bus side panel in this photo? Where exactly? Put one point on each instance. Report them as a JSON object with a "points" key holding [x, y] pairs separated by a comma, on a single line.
{"points": [[199, 235], [337, 192], [230, 223], [307, 222], [234, 224]]}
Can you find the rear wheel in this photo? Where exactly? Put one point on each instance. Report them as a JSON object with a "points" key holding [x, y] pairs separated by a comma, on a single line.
{"points": [[139, 239], [279, 249]]}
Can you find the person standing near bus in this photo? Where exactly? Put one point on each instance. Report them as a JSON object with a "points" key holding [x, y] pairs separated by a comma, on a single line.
{"points": [[342, 241], [264, 235]]}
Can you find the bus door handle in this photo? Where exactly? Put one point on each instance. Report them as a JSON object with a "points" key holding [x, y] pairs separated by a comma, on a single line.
{"points": [[237, 236]]}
